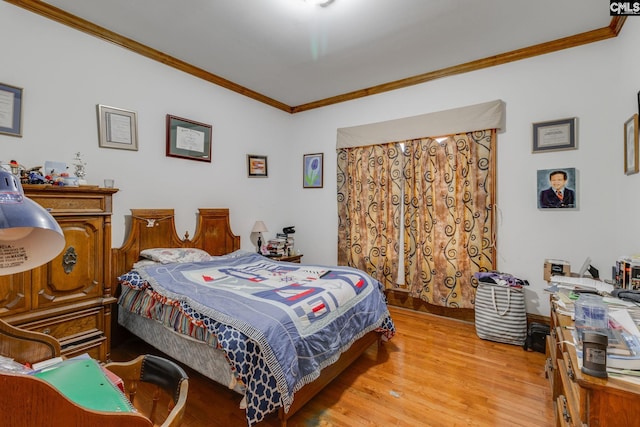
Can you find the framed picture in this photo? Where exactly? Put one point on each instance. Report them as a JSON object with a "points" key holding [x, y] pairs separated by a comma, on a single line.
{"points": [[117, 128], [188, 139], [10, 110], [555, 135], [557, 188], [631, 145], [257, 166], [312, 170]]}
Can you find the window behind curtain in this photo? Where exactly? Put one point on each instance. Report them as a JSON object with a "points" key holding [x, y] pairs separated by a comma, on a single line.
{"points": [[436, 198]]}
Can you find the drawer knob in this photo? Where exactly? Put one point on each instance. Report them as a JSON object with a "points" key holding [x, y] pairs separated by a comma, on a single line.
{"points": [[47, 331], [570, 371], [69, 260], [565, 409]]}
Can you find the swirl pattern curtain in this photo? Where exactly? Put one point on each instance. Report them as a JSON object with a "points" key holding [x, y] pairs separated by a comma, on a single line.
{"points": [[449, 214], [445, 193], [369, 198]]}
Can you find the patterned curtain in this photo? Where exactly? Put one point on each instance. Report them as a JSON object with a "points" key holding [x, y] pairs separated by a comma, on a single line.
{"points": [[448, 222], [369, 197]]}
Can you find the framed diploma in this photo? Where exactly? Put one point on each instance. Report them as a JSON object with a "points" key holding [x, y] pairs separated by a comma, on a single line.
{"points": [[117, 128], [555, 135], [10, 110], [188, 139]]}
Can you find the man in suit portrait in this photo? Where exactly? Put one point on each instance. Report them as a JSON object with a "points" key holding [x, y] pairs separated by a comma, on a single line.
{"points": [[558, 195]]}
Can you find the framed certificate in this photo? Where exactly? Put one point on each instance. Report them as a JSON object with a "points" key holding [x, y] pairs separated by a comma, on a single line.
{"points": [[188, 139], [117, 128], [10, 110], [555, 135]]}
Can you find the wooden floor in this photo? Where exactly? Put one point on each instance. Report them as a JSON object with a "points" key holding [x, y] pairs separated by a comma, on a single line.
{"points": [[434, 372]]}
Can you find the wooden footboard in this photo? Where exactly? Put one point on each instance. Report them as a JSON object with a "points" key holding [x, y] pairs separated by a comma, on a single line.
{"points": [[307, 392]]}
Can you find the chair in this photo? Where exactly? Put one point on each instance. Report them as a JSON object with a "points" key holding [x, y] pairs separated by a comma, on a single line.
{"points": [[28, 401], [163, 379], [26, 346]]}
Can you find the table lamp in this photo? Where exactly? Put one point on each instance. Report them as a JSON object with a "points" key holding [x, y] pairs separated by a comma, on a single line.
{"points": [[259, 227], [29, 235]]}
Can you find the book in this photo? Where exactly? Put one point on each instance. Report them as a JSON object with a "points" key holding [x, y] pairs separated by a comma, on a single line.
{"points": [[84, 382]]}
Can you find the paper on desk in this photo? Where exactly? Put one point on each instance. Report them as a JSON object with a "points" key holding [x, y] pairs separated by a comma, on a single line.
{"points": [[623, 317], [618, 302], [582, 282]]}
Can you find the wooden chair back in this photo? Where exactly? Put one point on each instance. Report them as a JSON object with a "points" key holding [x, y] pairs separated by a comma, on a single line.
{"points": [[26, 346], [151, 383], [28, 401]]}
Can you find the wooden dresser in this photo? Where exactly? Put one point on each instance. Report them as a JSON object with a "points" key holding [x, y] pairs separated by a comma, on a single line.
{"points": [[581, 399], [69, 298]]}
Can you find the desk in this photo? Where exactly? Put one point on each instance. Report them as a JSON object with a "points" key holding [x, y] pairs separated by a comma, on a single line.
{"points": [[581, 399], [28, 401]]}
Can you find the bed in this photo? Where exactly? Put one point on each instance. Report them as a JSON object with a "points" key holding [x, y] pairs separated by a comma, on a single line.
{"points": [[223, 311]]}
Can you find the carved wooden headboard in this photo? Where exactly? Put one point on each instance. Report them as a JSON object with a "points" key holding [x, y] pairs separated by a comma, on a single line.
{"points": [[155, 228]]}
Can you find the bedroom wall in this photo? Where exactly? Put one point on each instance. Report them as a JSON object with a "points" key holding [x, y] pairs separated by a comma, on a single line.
{"points": [[596, 83], [66, 73]]}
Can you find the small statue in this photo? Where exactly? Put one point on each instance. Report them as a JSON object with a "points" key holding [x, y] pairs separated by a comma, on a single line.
{"points": [[80, 171]]}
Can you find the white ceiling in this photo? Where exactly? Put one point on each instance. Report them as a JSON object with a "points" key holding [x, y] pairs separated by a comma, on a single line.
{"points": [[297, 53]]}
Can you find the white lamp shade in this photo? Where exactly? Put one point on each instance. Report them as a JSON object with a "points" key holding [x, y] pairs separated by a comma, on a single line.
{"points": [[29, 235], [259, 227]]}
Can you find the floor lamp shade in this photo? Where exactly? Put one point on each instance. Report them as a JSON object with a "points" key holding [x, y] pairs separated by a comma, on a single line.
{"points": [[29, 235]]}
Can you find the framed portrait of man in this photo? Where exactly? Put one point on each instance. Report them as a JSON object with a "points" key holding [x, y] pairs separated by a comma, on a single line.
{"points": [[557, 188]]}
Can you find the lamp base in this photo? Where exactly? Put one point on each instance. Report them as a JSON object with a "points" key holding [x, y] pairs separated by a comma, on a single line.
{"points": [[259, 244]]}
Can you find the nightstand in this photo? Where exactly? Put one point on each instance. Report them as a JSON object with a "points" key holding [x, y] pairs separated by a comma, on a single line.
{"points": [[288, 258]]}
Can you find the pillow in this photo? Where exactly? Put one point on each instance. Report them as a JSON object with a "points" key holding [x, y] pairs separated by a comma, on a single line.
{"points": [[143, 263], [169, 255], [235, 254]]}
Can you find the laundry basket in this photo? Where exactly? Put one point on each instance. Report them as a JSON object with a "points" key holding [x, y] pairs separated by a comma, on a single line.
{"points": [[500, 312]]}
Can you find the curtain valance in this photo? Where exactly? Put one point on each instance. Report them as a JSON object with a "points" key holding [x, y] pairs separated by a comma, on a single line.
{"points": [[488, 115]]}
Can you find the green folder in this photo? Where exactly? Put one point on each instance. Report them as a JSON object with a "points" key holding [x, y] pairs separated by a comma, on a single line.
{"points": [[84, 382]]}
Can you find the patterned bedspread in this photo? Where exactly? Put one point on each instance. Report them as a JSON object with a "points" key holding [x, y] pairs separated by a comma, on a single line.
{"points": [[278, 323]]}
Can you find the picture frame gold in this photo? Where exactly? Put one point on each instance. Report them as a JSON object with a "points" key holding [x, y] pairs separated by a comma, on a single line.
{"points": [[631, 145], [257, 166], [188, 139], [117, 128]]}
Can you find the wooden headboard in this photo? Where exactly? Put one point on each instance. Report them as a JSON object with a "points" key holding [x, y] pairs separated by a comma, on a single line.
{"points": [[155, 228]]}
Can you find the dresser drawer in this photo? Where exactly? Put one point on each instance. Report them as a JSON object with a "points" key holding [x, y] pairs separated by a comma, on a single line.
{"points": [[71, 326], [570, 391]]}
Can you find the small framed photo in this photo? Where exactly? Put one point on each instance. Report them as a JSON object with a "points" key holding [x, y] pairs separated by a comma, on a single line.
{"points": [[10, 110], [117, 128], [631, 145], [555, 135], [557, 188], [187, 139], [312, 170], [257, 166]]}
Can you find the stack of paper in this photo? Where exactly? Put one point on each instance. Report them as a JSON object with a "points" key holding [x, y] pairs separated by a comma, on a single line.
{"points": [[583, 283]]}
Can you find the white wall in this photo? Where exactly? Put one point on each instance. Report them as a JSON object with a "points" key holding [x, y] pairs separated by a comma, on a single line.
{"points": [[65, 73], [596, 83]]}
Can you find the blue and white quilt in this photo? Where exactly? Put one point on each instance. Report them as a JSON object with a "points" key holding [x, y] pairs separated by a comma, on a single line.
{"points": [[278, 323]]}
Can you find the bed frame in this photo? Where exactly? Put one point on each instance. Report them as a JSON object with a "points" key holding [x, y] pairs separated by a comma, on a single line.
{"points": [[155, 228]]}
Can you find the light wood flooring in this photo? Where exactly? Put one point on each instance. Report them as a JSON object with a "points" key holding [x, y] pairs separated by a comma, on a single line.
{"points": [[434, 372]]}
